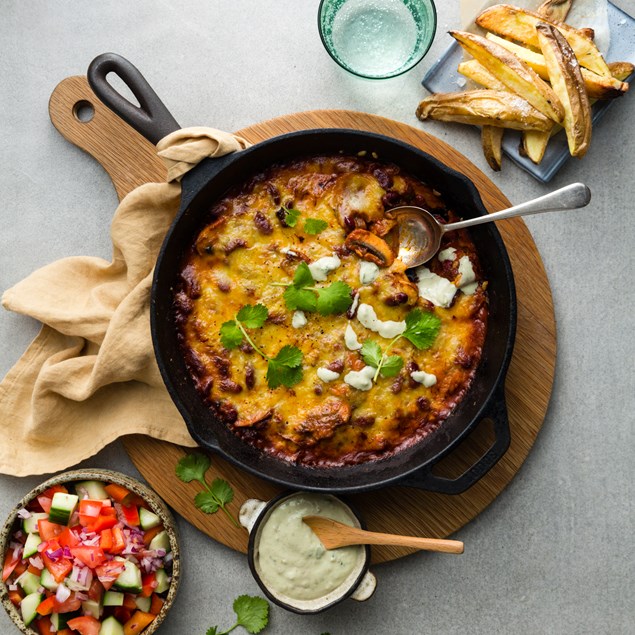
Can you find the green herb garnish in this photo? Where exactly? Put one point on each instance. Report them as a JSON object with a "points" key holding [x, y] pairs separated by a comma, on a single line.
{"points": [[252, 613], [421, 330], [291, 215], [301, 295], [285, 369], [218, 495], [314, 226]]}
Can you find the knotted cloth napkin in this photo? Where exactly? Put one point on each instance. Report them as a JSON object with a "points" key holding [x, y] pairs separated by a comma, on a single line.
{"points": [[90, 375]]}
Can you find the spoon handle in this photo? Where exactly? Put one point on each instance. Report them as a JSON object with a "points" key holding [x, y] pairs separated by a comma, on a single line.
{"points": [[572, 196], [427, 544]]}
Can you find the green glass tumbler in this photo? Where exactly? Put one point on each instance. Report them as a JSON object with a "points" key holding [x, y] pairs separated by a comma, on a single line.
{"points": [[377, 39]]}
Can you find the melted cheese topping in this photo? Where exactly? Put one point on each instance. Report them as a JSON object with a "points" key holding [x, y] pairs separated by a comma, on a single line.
{"points": [[235, 260]]}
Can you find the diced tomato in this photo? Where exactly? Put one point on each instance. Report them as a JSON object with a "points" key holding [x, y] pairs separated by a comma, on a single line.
{"points": [[10, 563], [68, 538], [20, 568], [85, 625], [117, 492], [151, 533], [60, 569], [148, 584], [131, 514], [72, 603], [122, 614], [109, 572], [157, 604], [90, 507], [96, 590], [118, 540], [105, 540], [45, 503], [102, 522], [129, 602], [45, 607], [109, 511], [137, 623], [133, 499], [48, 530], [91, 556], [44, 625], [54, 489], [15, 597], [34, 570]]}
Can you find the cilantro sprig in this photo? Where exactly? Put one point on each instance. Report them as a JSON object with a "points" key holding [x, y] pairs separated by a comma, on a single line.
{"points": [[285, 369], [422, 329], [192, 467], [291, 216], [301, 295], [312, 226], [252, 613]]}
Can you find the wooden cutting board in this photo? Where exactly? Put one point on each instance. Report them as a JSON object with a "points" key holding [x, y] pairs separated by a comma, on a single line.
{"points": [[130, 161]]}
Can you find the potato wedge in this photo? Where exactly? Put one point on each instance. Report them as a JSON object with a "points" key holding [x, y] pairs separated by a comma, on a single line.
{"points": [[520, 25], [566, 79], [492, 141], [534, 143], [555, 10], [514, 73], [597, 86], [621, 70], [484, 108], [474, 70]]}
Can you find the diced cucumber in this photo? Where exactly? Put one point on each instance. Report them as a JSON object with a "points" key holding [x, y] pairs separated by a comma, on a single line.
{"points": [[160, 541], [92, 608], [130, 578], [29, 582], [48, 581], [30, 524], [113, 598], [28, 607], [148, 519], [31, 544], [91, 489], [60, 620], [62, 507], [163, 581], [143, 604], [110, 626]]}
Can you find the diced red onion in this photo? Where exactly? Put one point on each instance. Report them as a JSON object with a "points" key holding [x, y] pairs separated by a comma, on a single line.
{"points": [[42, 546], [23, 513], [81, 596], [18, 534], [52, 628], [36, 561], [92, 541], [67, 552], [161, 553], [63, 593], [74, 520], [40, 590], [168, 557], [17, 550], [13, 587], [55, 555]]}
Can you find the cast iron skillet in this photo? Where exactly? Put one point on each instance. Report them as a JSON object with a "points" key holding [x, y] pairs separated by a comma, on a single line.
{"points": [[208, 182]]}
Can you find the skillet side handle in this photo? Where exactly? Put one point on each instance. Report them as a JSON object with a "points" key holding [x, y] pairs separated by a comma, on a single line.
{"points": [[153, 120], [424, 479]]}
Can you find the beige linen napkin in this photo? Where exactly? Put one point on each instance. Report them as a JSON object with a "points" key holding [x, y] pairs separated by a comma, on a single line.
{"points": [[90, 375]]}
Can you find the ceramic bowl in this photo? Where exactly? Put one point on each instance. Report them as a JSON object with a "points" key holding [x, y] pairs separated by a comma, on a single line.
{"points": [[156, 505], [359, 585]]}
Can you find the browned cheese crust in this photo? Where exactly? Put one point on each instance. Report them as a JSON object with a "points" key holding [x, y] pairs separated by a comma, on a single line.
{"points": [[246, 246]]}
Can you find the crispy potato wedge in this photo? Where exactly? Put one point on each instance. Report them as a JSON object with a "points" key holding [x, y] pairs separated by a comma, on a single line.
{"points": [[555, 10], [520, 25], [566, 79], [533, 144], [484, 108], [621, 70], [492, 141], [474, 70], [597, 86], [514, 73]]}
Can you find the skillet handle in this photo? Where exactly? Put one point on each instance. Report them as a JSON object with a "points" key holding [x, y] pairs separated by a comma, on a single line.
{"points": [[424, 479], [153, 120]]}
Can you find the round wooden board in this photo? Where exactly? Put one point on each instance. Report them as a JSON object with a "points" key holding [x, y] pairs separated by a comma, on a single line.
{"points": [[130, 161]]}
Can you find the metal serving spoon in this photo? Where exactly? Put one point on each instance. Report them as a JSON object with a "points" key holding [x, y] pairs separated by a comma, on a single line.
{"points": [[333, 535], [419, 232]]}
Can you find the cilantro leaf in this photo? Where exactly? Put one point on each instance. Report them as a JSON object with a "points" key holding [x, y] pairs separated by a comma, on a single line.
{"points": [[391, 366], [252, 613], [291, 216], [206, 502], [230, 335], [302, 276], [421, 328], [278, 375], [371, 353], [192, 467], [289, 356], [300, 299], [213, 630], [253, 317], [222, 490], [313, 226], [336, 298]]}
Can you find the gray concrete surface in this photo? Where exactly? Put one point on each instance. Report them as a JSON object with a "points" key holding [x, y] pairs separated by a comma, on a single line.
{"points": [[553, 553]]}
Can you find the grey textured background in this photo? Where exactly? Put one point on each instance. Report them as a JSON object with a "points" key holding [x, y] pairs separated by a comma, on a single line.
{"points": [[553, 553]]}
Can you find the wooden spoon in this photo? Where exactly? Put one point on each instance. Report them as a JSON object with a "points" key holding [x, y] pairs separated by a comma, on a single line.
{"points": [[333, 535]]}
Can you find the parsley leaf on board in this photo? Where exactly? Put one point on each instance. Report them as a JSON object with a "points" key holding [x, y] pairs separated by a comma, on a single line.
{"points": [[291, 216], [192, 467], [230, 334], [314, 226], [212, 630], [422, 328], [336, 298], [252, 613], [253, 316]]}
